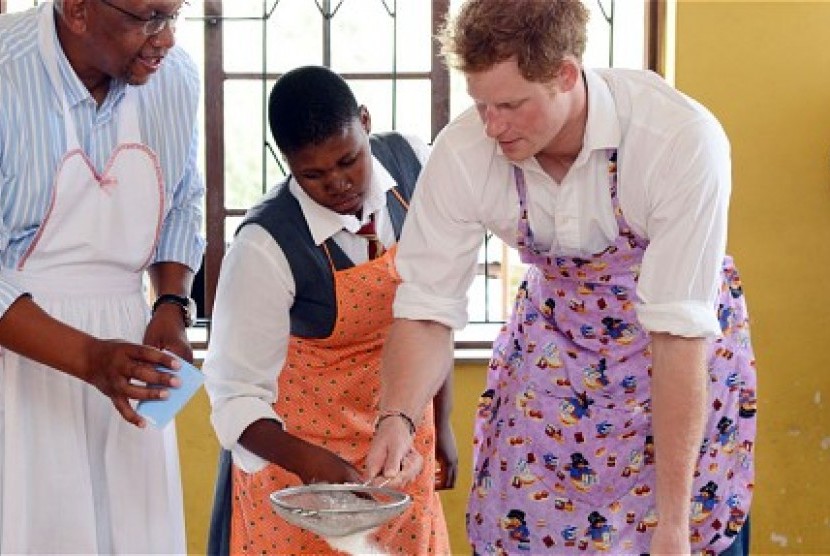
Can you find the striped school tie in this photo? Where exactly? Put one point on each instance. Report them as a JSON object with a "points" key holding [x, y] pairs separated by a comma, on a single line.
{"points": [[376, 248]]}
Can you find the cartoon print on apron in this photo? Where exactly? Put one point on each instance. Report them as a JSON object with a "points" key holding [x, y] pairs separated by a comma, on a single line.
{"points": [[564, 459], [84, 267]]}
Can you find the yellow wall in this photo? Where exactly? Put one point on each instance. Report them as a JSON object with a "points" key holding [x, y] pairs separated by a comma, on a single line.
{"points": [[198, 451], [468, 383], [764, 69]]}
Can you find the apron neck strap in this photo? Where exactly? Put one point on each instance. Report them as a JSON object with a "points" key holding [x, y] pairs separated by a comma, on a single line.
{"points": [[128, 126], [47, 37], [127, 113]]}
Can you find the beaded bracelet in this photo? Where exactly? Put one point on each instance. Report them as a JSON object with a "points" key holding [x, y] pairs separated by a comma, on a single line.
{"points": [[392, 413]]}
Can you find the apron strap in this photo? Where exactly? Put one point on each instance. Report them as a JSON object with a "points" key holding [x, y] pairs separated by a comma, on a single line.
{"points": [[47, 37], [128, 125]]}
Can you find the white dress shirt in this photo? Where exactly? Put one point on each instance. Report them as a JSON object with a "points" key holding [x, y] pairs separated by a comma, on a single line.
{"points": [[251, 324], [674, 185]]}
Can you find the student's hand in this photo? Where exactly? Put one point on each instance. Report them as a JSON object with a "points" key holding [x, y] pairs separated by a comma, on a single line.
{"points": [[446, 457], [323, 466], [167, 331], [310, 462], [118, 368]]}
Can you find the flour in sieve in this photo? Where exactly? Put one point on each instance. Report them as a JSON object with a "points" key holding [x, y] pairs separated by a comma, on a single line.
{"points": [[357, 544]]}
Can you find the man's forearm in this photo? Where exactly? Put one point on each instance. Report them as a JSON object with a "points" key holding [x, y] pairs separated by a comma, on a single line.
{"points": [[678, 403], [415, 364], [28, 330], [171, 277]]}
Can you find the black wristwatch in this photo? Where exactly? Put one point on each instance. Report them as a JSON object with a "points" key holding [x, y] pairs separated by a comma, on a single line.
{"points": [[187, 305]]}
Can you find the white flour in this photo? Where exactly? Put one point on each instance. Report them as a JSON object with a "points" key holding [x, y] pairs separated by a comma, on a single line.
{"points": [[356, 544], [356, 511]]}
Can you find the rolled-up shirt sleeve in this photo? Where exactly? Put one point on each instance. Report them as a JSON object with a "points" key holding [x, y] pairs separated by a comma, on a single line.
{"points": [[680, 273], [8, 291], [181, 240], [8, 295], [249, 339], [439, 245]]}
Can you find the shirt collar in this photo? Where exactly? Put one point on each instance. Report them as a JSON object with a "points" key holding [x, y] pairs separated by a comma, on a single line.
{"points": [[602, 130], [324, 222]]}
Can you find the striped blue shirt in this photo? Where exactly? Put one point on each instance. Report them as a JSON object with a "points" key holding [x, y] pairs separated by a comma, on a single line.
{"points": [[32, 141]]}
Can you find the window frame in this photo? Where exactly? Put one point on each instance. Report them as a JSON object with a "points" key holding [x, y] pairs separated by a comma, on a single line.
{"points": [[215, 76]]}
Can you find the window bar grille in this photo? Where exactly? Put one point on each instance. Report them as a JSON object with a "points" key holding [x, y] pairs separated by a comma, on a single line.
{"points": [[487, 280], [264, 105], [393, 13], [608, 16], [327, 15]]}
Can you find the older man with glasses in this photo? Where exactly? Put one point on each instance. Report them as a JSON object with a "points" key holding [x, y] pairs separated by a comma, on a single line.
{"points": [[98, 147], [152, 25]]}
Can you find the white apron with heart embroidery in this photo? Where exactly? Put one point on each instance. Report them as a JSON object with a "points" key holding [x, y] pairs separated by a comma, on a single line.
{"points": [[76, 477]]}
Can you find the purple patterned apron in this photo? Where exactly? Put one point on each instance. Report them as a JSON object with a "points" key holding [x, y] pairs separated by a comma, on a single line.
{"points": [[564, 457]]}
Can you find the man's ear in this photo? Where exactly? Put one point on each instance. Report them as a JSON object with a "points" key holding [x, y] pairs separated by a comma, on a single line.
{"points": [[73, 13], [570, 73], [365, 119]]}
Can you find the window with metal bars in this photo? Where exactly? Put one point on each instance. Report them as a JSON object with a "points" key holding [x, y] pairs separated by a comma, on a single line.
{"points": [[385, 50]]}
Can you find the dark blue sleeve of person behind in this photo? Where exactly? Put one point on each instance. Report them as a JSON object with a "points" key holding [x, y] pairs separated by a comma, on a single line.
{"points": [[160, 412]]}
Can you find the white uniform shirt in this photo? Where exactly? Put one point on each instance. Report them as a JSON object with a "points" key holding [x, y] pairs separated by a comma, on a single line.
{"points": [[673, 181], [251, 325]]}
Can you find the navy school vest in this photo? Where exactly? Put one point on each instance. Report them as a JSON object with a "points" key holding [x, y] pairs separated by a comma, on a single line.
{"points": [[314, 310]]}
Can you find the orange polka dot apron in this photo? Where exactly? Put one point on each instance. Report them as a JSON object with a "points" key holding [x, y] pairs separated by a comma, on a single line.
{"points": [[328, 393]]}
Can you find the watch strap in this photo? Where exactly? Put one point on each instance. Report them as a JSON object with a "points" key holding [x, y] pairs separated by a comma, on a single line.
{"points": [[183, 302]]}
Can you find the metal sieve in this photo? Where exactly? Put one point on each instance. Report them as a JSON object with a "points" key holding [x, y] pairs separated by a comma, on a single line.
{"points": [[338, 510]]}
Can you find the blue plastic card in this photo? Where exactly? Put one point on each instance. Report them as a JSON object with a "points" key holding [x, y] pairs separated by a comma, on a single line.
{"points": [[160, 412]]}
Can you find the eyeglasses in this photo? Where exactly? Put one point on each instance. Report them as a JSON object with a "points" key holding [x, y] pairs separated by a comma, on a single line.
{"points": [[152, 25]]}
